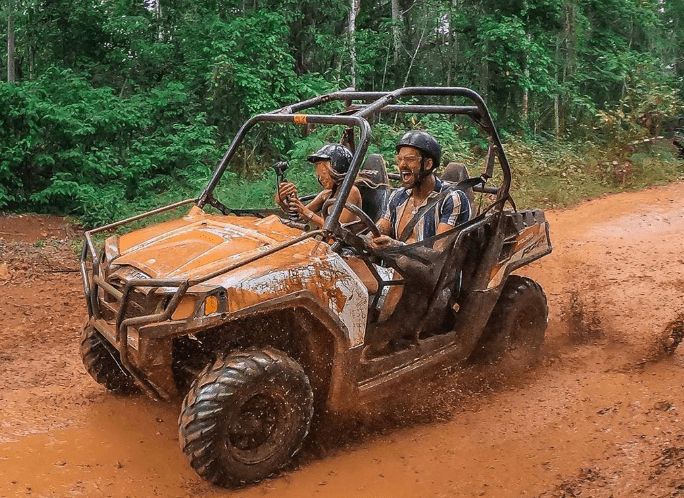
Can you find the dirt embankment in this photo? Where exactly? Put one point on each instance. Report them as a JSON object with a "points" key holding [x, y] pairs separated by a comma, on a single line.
{"points": [[601, 416]]}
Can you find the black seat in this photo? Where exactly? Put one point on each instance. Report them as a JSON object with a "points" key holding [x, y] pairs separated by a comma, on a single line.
{"points": [[373, 184], [455, 173]]}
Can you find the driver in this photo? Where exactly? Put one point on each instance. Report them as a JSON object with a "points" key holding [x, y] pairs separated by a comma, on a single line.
{"points": [[332, 163], [442, 207]]}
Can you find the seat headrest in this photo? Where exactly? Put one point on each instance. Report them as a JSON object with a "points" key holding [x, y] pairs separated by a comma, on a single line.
{"points": [[374, 173], [455, 173]]}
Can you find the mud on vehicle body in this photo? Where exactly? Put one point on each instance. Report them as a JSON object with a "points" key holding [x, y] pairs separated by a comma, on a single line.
{"points": [[258, 323]]}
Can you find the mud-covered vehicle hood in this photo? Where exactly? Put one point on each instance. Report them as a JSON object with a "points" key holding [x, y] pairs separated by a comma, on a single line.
{"points": [[222, 253], [196, 246]]}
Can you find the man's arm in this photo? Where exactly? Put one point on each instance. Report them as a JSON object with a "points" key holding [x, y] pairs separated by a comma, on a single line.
{"points": [[384, 226], [384, 241], [455, 209]]}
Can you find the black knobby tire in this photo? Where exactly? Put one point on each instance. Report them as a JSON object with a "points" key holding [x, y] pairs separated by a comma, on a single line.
{"points": [[516, 328], [103, 363], [245, 416]]}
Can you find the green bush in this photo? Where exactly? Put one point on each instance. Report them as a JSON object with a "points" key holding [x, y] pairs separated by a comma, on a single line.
{"points": [[69, 148]]}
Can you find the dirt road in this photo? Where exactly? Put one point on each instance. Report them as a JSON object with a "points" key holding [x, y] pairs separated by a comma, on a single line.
{"points": [[601, 416]]}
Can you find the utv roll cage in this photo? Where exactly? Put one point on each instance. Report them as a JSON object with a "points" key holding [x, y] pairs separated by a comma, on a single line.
{"points": [[358, 115]]}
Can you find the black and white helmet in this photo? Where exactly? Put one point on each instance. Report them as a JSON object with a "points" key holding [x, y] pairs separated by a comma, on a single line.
{"points": [[339, 156]]}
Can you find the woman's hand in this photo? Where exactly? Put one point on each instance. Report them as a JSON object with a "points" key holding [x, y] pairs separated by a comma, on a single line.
{"points": [[296, 205], [287, 189]]}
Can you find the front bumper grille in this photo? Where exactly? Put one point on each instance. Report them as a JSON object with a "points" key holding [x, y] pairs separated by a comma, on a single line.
{"points": [[141, 301]]}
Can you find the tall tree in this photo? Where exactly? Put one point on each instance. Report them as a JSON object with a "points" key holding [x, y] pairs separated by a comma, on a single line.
{"points": [[351, 33], [396, 29], [11, 56]]}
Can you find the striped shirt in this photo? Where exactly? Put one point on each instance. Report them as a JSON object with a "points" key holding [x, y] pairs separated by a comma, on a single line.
{"points": [[452, 210]]}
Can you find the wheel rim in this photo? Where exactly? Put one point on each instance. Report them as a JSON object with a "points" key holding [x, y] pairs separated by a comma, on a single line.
{"points": [[521, 338], [257, 430]]}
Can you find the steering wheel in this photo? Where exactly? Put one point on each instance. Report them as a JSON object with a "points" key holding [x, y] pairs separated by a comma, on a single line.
{"points": [[367, 222]]}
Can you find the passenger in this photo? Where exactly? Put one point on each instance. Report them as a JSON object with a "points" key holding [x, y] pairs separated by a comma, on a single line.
{"points": [[332, 163]]}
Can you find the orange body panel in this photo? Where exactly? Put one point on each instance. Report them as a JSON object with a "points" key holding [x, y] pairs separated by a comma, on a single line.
{"points": [[201, 245], [195, 246]]}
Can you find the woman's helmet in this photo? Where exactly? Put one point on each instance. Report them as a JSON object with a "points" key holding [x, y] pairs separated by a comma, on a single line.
{"points": [[424, 142], [339, 156]]}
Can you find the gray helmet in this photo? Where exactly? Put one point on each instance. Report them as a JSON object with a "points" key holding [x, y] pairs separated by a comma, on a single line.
{"points": [[424, 142], [339, 156]]}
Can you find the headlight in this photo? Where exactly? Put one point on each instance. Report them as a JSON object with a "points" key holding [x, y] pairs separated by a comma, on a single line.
{"points": [[185, 308], [211, 305], [215, 303]]}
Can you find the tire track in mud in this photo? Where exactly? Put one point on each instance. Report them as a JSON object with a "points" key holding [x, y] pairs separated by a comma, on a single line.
{"points": [[600, 416]]}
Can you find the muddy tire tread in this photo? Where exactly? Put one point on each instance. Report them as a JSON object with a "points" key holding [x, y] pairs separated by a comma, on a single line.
{"points": [[517, 290], [104, 368], [205, 405]]}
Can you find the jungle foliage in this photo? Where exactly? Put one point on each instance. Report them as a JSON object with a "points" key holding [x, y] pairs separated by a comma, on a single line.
{"points": [[111, 106]]}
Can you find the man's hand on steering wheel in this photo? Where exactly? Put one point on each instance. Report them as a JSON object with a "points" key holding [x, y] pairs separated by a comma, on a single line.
{"points": [[384, 242]]}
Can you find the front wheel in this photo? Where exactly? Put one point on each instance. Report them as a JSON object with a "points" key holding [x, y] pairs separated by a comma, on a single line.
{"points": [[103, 364], [515, 330], [245, 416]]}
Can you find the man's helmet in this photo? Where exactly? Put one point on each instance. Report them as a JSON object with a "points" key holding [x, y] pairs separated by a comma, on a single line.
{"points": [[339, 156], [424, 142]]}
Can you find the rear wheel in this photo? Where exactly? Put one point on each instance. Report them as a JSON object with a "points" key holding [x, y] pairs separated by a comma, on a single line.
{"points": [[103, 363], [245, 416], [515, 331]]}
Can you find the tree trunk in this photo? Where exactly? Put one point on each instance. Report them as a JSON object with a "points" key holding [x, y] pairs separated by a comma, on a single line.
{"points": [[355, 6], [526, 91], [570, 68], [452, 50], [11, 56], [526, 69], [566, 67], [396, 33], [31, 43], [556, 97], [624, 76], [484, 74], [571, 36]]}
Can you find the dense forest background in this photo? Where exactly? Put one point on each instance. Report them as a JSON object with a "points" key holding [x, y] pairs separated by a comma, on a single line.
{"points": [[113, 105]]}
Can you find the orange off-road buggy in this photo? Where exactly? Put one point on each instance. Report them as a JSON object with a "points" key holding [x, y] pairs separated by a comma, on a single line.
{"points": [[257, 322]]}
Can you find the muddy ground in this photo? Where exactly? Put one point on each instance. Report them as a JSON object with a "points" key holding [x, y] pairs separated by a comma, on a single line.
{"points": [[601, 415]]}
